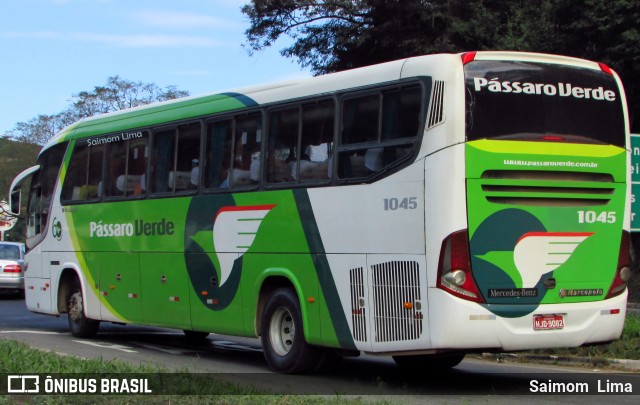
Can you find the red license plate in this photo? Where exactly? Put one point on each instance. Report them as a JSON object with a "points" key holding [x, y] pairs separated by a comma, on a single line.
{"points": [[546, 322]]}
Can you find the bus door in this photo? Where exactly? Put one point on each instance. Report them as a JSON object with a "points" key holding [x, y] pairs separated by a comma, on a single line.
{"points": [[37, 283]]}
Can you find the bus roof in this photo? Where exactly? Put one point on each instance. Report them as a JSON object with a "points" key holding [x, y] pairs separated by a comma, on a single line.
{"points": [[158, 114], [536, 57]]}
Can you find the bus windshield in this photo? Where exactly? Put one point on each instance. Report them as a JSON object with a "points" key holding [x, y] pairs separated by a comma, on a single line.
{"points": [[539, 101]]}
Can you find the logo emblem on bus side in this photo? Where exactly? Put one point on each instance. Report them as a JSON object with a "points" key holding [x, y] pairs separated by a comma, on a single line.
{"points": [[234, 231], [538, 253], [56, 229]]}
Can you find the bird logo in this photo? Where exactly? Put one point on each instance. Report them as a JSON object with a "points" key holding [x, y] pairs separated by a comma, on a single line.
{"points": [[234, 231], [538, 253]]}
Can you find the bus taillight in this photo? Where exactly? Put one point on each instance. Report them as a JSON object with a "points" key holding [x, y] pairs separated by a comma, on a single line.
{"points": [[454, 268], [623, 272]]}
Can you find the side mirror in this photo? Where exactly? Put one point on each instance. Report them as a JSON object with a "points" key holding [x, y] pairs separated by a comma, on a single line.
{"points": [[15, 196], [15, 200]]}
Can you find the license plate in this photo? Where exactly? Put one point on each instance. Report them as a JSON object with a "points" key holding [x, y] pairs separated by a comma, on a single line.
{"points": [[546, 322]]}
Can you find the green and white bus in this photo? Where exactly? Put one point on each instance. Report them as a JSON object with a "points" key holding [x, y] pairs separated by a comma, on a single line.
{"points": [[421, 209]]}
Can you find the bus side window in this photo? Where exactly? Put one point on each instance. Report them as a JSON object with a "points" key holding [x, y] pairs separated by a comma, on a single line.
{"points": [[378, 131], [245, 170], [162, 160], [138, 152], [218, 154], [317, 141], [75, 181], [94, 177], [187, 159], [84, 174], [115, 183], [401, 113], [360, 119], [41, 193], [300, 143], [282, 153]]}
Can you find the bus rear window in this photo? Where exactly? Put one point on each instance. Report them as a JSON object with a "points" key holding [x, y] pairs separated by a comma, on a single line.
{"points": [[527, 101]]}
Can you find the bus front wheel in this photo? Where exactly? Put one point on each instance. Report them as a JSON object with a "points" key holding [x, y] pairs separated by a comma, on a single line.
{"points": [[80, 325], [282, 335]]}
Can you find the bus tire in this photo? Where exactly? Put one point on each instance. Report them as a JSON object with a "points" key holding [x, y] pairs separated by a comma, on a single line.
{"points": [[433, 362], [80, 325], [282, 335]]}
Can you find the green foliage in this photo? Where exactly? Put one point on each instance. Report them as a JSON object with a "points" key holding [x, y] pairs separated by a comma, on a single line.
{"points": [[334, 35], [14, 158], [115, 95]]}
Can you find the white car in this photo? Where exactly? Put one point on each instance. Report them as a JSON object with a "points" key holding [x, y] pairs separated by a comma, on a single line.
{"points": [[11, 266]]}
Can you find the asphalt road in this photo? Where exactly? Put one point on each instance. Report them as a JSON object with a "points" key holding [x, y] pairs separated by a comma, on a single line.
{"points": [[241, 360]]}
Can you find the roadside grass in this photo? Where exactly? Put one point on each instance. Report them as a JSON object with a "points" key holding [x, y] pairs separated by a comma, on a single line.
{"points": [[19, 358]]}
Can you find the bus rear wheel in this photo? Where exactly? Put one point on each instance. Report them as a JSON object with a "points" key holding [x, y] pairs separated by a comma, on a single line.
{"points": [[282, 335], [434, 362], [80, 325]]}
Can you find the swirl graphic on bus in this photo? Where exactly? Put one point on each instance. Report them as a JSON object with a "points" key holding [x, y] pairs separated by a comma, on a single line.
{"points": [[512, 255]]}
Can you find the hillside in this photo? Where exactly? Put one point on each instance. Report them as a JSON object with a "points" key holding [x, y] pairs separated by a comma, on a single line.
{"points": [[14, 158]]}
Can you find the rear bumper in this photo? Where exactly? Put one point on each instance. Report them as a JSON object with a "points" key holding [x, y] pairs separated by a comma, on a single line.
{"points": [[460, 324], [12, 282]]}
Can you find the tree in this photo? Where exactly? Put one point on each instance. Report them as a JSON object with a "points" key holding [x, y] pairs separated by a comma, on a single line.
{"points": [[40, 129], [116, 94], [600, 30], [334, 35], [119, 94], [14, 157]]}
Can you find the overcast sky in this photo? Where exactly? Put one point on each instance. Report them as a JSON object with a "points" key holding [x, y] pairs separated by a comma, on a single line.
{"points": [[52, 49]]}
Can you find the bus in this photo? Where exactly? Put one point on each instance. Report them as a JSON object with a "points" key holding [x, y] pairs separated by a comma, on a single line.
{"points": [[421, 209]]}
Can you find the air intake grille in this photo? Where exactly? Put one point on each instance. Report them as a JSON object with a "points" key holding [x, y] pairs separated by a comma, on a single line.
{"points": [[358, 311], [436, 111], [396, 300], [541, 188]]}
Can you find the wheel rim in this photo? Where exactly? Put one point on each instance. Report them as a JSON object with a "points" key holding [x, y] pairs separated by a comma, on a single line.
{"points": [[75, 307], [282, 331]]}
